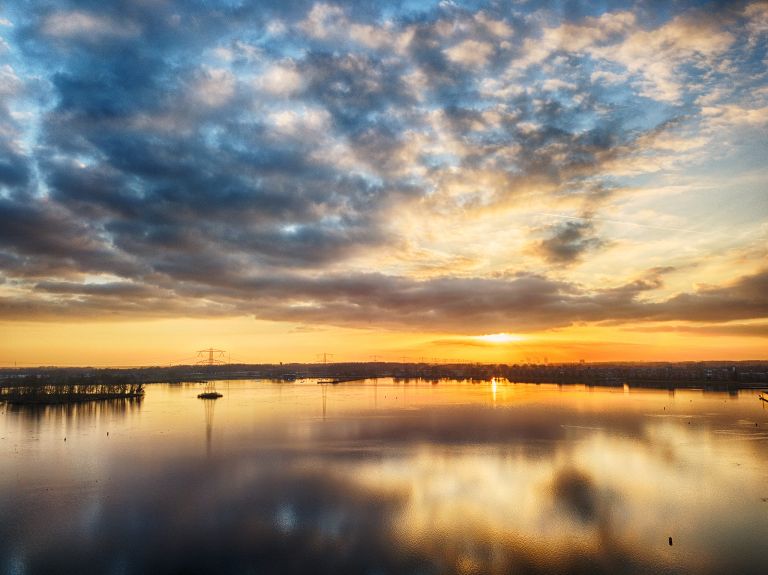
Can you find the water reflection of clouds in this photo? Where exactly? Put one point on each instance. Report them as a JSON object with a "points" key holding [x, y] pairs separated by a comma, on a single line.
{"points": [[576, 500], [493, 510], [288, 517]]}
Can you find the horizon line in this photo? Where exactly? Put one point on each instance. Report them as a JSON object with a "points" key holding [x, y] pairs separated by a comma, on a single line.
{"points": [[369, 362]]}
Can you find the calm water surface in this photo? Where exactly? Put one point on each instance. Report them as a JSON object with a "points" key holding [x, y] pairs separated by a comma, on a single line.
{"points": [[383, 477]]}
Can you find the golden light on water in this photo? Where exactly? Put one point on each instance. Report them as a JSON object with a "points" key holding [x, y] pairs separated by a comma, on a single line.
{"points": [[465, 477]]}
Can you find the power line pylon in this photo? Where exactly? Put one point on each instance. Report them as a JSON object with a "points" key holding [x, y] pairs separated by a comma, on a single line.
{"points": [[211, 356]]}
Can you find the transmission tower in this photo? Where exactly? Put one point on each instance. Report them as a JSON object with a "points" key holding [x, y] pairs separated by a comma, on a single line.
{"points": [[211, 356]]}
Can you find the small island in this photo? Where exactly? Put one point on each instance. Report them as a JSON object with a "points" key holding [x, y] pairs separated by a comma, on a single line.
{"points": [[51, 390]]}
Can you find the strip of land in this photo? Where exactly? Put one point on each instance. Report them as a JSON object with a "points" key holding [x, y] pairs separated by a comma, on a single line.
{"points": [[64, 385]]}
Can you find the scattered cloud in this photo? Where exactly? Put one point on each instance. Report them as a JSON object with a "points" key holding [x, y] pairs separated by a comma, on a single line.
{"points": [[214, 86], [281, 79], [470, 53], [656, 55], [87, 26]]}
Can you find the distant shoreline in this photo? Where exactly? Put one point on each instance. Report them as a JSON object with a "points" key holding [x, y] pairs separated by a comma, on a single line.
{"points": [[720, 376]]}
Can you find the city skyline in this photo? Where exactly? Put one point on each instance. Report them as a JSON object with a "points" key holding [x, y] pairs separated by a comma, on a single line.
{"points": [[487, 181]]}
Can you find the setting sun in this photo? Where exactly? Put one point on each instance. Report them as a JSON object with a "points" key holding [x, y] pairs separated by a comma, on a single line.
{"points": [[500, 338]]}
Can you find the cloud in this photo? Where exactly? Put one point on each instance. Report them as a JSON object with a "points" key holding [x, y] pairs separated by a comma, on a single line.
{"points": [[726, 329], [327, 22], [469, 53], [569, 242], [575, 37], [45, 240], [653, 56], [14, 164], [735, 115], [656, 55], [498, 28], [281, 79], [757, 24], [608, 77], [118, 289], [522, 303], [320, 21], [10, 83], [214, 86], [741, 299], [87, 26]]}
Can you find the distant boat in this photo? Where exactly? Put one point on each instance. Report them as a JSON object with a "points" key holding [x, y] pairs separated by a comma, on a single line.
{"points": [[209, 395], [761, 398]]}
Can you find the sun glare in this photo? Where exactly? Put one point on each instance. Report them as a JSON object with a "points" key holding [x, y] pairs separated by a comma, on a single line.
{"points": [[500, 338]]}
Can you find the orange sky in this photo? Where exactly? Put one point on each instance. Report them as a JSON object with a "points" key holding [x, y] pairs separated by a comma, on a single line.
{"points": [[162, 342]]}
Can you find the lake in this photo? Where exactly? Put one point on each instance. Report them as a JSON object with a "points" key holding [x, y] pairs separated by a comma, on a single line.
{"points": [[387, 477]]}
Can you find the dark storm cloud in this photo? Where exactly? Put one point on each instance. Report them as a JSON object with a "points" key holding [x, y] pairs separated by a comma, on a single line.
{"points": [[194, 153]]}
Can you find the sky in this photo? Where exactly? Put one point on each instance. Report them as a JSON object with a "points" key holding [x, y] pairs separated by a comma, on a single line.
{"points": [[501, 181]]}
